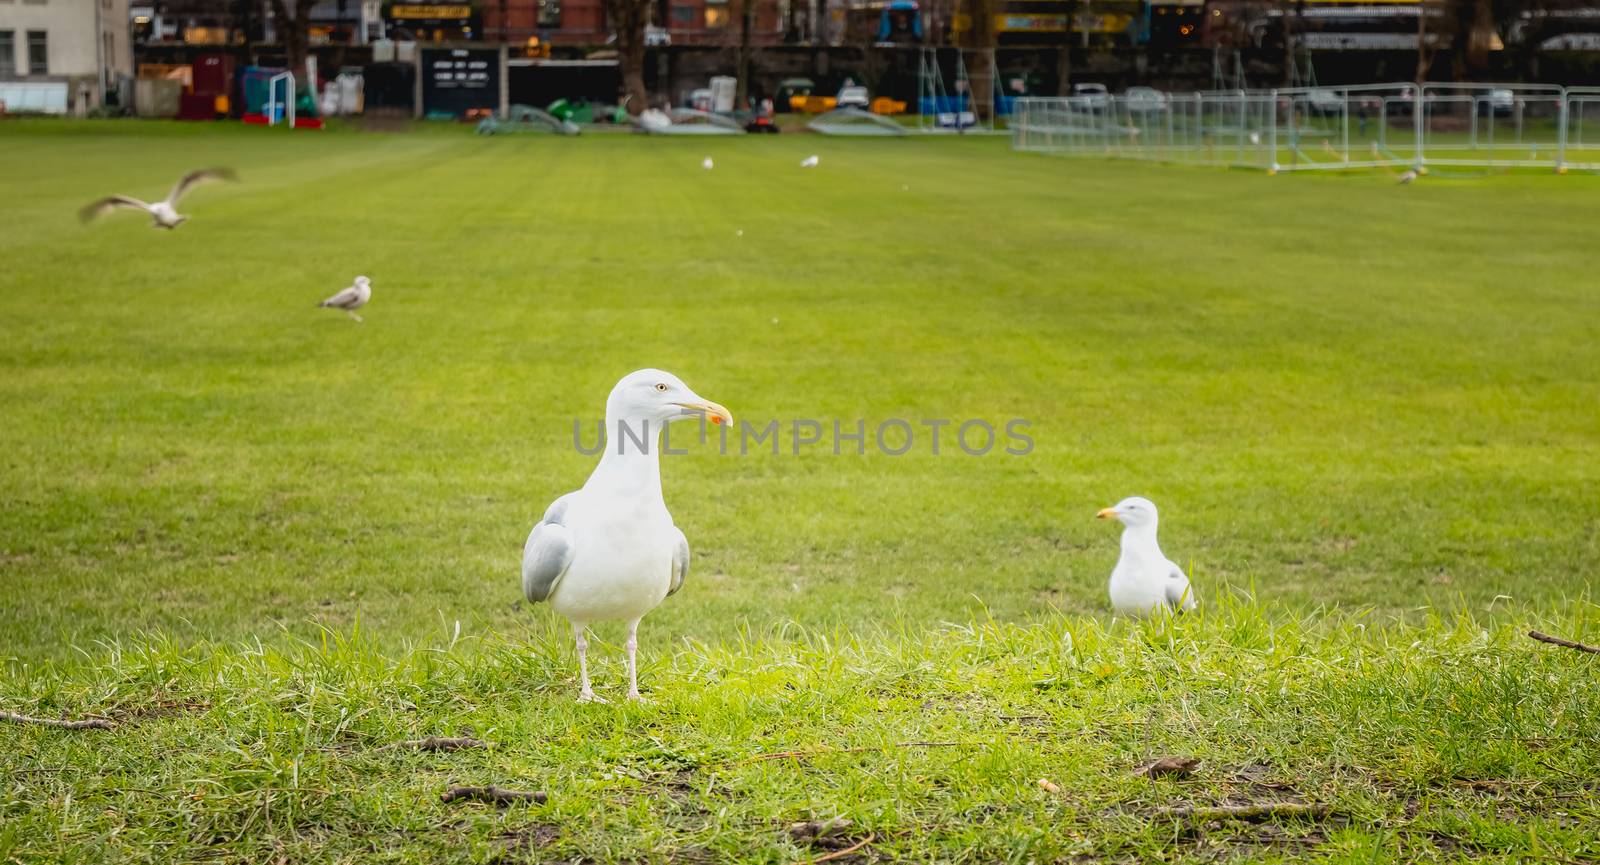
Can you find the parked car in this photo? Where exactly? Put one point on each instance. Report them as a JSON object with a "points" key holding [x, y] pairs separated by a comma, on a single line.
{"points": [[792, 89], [854, 96], [1499, 101], [1144, 100], [1091, 95], [1325, 101]]}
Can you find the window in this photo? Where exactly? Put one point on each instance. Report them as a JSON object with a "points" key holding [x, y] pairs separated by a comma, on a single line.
{"points": [[38, 53], [549, 13], [716, 17], [682, 16], [8, 52]]}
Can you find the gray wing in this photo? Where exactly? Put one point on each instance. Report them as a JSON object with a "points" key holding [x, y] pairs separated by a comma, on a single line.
{"points": [[548, 553], [110, 203], [343, 300], [1180, 596], [195, 177], [680, 561]]}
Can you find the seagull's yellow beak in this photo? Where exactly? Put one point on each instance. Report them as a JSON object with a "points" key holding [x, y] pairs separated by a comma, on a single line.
{"points": [[1106, 514], [708, 409]]}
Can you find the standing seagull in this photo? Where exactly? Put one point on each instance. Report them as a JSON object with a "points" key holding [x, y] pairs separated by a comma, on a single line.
{"points": [[163, 214], [810, 161], [707, 164], [1144, 581], [352, 297], [610, 550]]}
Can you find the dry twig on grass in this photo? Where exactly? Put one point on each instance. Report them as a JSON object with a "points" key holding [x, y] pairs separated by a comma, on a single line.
{"points": [[812, 830], [1557, 641], [1266, 811], [435, 743], [494, 795], [86, 724], [839, 854], [822, 752]]}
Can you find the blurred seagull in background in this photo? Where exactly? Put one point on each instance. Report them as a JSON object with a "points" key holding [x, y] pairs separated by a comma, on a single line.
{"points": [[1408, 176], [163, 213], [810, 161], [610, 550], [1144, 581], [707, 164], [351, 298]]}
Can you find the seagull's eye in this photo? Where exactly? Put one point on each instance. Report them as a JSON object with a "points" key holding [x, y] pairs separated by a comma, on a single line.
{"points": [[661, 386]]}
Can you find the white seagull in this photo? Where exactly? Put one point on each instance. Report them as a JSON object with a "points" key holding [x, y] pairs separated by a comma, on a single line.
{"points": [[610, 550], [351, 298], [707, 164], [1144, 581], [163, 213], [810, 161]]}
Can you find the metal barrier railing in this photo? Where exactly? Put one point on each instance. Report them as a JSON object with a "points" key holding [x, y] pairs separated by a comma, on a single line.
{"points": [[1488, 126]]}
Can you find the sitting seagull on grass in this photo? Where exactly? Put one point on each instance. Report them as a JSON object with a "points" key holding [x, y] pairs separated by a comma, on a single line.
{"points": [[163, 213], [610, 550], [351, 298], [707, 164], [810, 161], [1144, 581]]}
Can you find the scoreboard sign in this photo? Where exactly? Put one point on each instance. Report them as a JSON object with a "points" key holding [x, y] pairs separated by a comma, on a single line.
{"points": [[458, 80]]}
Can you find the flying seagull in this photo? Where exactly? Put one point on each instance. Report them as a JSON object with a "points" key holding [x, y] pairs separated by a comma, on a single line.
{"points": [[707, 164], [610, 550], [1144, 581], [163, 213], [351, 298]]}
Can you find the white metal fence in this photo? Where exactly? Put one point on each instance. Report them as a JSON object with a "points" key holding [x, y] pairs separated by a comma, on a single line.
{"points": [[1444, 126]]}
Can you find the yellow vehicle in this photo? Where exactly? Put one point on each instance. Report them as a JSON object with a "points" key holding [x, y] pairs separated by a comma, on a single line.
{"points": [[884, 105], [813, 104]]}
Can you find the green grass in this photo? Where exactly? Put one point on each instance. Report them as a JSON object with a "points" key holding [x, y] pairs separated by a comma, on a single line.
{"points": [[1369, 414]]}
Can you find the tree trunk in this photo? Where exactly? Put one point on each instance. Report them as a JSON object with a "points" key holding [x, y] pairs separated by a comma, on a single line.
{"points": [[980, 81], [292, 32], [1289, 12], [629, 19], [747, 14], [1424, 53]]}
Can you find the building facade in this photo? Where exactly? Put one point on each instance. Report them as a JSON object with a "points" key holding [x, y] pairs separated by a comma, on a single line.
{"points": [[673, 22], [63, 55]]}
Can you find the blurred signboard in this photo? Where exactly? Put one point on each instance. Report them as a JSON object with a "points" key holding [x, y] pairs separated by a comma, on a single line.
{"points": [[1092, 22], [1030, 23], [431, 12], [458, 80]]}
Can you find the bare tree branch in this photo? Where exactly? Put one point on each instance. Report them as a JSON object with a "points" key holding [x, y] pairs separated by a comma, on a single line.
{"points": [[435, 743], [1266, 811], [86, 724], [494, 795], [1557, 641]]}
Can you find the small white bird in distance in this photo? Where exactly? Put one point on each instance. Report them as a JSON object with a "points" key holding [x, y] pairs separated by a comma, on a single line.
{"points": [[351, 298], [707, 164], [1255, 138], [1408, 176], [1144, 581], [163, 213], [810, 161]]}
